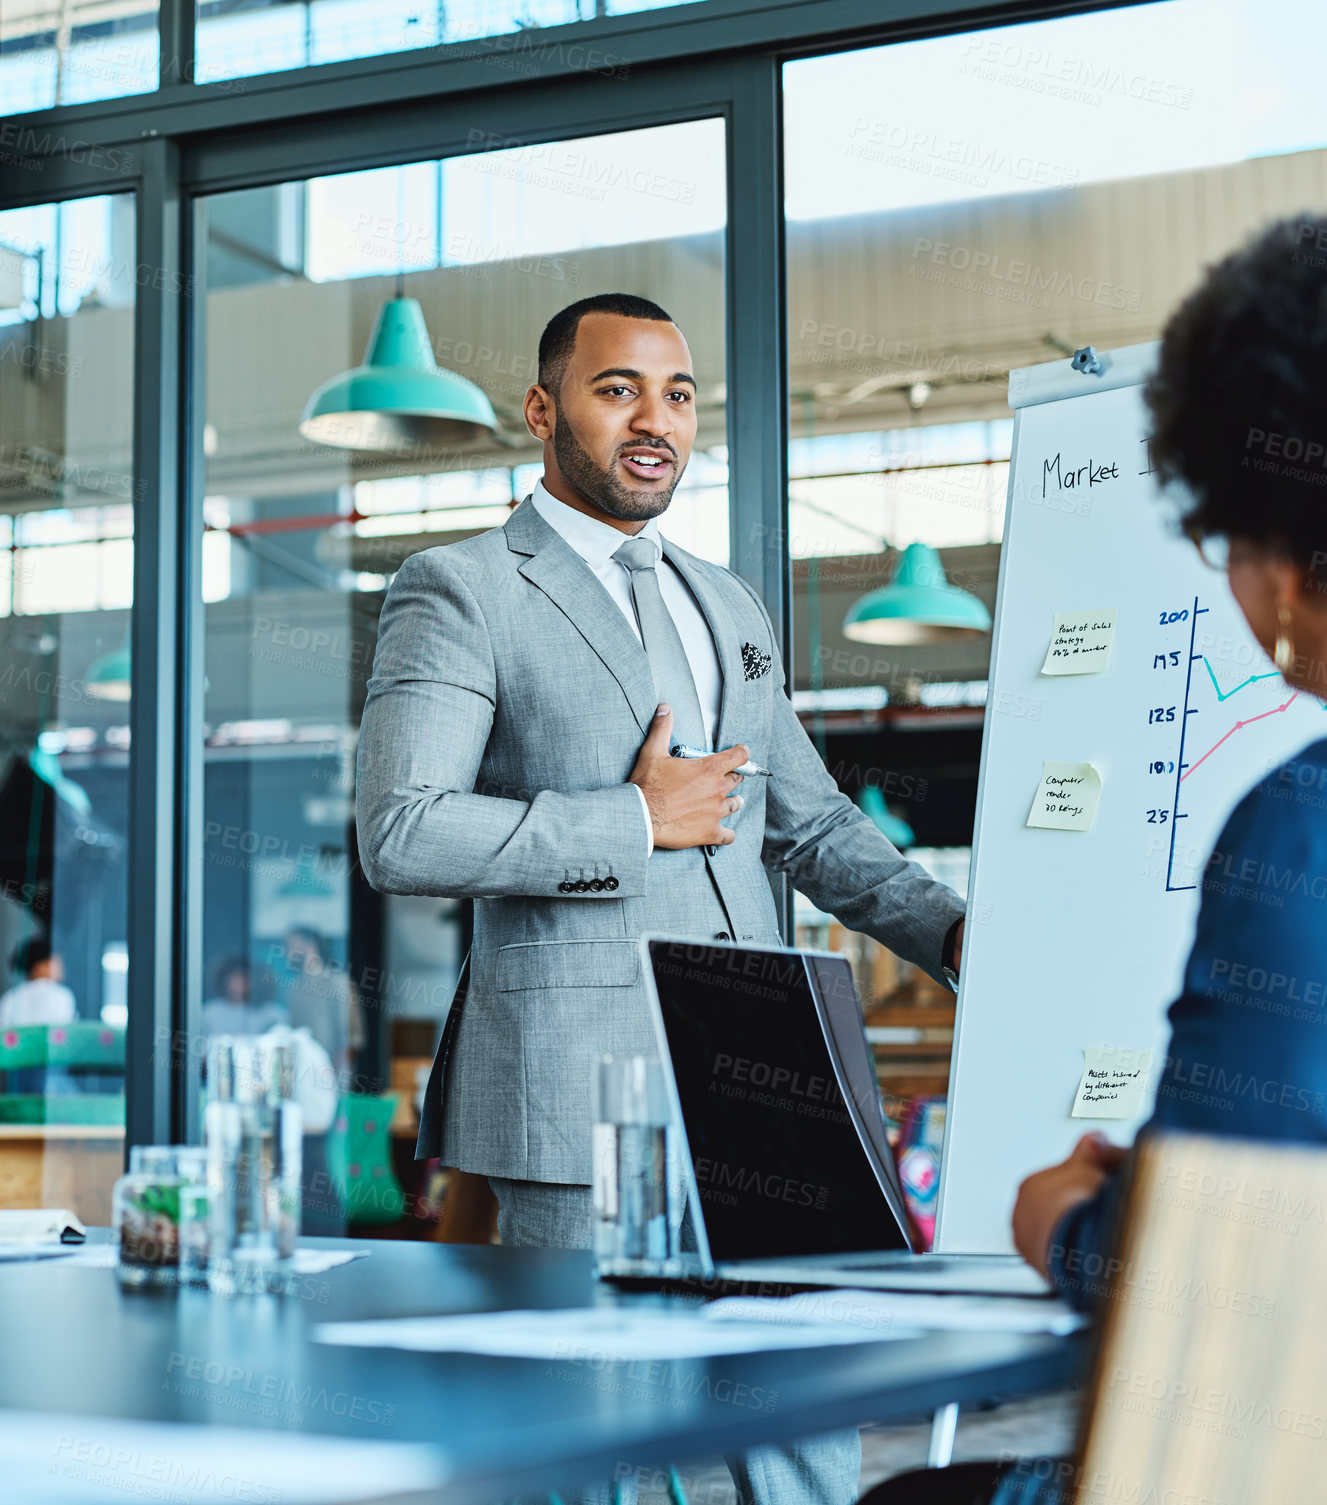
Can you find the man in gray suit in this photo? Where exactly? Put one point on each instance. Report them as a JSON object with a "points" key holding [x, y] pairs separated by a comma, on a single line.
{"points": [[527, 687]]}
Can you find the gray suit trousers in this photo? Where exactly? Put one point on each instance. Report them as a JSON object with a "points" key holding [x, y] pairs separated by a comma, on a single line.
{"points": [[807, 1471]]}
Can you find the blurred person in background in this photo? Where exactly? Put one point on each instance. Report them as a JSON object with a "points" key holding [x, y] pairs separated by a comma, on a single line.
{"points": [[321, 998], [239, 1004], [41, 997]]}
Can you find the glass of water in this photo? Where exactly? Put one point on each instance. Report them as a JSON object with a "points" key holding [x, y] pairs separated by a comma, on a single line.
{"points": [[242, 1242], [191, 1167], [633, 1199]]}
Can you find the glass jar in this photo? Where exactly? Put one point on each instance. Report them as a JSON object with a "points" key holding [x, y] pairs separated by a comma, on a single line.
{"points": [[145, 1211]]}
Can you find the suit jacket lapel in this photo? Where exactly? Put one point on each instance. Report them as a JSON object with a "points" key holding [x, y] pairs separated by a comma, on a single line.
{"points": [[565, 578], [725, 633]]}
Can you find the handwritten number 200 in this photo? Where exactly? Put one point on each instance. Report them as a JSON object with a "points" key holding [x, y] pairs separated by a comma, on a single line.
{"points": [[1167, 617]]}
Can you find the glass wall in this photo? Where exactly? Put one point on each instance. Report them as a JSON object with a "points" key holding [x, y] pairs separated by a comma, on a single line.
{"points": [[67, 285], [240, 39], [67, 52], [302, 539], [958, 208]]}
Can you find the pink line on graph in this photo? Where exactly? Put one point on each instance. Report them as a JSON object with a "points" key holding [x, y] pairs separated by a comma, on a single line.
{"points": [[1232, 732]]}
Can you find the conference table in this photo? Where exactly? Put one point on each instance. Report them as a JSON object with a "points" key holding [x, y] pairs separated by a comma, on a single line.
{"points": [[189, 1397]]}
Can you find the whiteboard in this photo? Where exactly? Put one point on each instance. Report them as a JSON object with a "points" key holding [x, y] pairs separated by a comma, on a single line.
{"points": [[1079, 938]]}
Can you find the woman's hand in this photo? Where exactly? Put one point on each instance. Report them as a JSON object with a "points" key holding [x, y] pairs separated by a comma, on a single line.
{"points": [[1045, 1197]]}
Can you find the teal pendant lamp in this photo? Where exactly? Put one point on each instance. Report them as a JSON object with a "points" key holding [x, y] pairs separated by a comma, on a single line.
{"points": [[399, 401], [918, 606], [871, 801], [110, 676]]}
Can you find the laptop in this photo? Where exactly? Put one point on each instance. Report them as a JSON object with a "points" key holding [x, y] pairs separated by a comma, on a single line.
{"points": [[790, 1178]]}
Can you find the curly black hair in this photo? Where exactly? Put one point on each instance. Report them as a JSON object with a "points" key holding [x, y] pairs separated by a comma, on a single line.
{"points": [[1239, 397]]}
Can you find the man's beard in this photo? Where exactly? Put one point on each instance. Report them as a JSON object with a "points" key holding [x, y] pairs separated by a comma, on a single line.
{"points": [[601, 488]]}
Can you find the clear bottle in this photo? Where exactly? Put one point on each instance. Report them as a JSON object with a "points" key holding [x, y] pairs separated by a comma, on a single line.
{"points": [[238, 1129], [287, 1141], [195, 1232], [634, 1228]]}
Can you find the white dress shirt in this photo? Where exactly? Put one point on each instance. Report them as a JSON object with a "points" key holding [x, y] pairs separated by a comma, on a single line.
{"points": [[596, 542], [41, 1000]]}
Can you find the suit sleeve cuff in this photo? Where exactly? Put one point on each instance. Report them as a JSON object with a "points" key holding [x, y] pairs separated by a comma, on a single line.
{"points": [[947, 950], [649, 824]]}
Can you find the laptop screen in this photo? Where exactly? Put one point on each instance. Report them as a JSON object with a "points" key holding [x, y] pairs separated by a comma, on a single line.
{"points": [[780, 1168], [838, 997]]}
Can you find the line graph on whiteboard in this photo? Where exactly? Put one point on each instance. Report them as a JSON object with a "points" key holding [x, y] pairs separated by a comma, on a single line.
{"points": [[1206, 718]]}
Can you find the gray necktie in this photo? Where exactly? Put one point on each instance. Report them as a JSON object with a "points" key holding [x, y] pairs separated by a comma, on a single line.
{"points": [[663, 644]]}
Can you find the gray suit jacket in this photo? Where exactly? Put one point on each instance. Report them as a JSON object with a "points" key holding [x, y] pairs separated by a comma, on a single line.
{"points": [[507, 706]]}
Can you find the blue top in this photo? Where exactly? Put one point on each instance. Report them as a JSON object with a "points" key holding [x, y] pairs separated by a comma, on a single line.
{"points": [[1248, 1043]]}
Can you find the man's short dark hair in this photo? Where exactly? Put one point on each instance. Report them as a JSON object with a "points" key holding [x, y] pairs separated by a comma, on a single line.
{"points": [[30, 954], [559, 337], [1239, 397]]}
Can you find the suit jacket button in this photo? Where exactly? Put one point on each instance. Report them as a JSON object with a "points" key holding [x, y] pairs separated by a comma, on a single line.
{"points": [[566, 888], [596, 885], [722, 935], [610, 883], [582, 886]]}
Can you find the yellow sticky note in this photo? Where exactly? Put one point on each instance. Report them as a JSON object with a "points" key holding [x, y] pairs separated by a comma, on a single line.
{"points": [[1066, 798], [1114, 1080], [1080, 642]]}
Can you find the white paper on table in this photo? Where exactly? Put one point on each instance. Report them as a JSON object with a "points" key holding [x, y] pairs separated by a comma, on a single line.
{"points": [[602, 1334], [882, 1314], [1080, 642], [98, 1256], [1113, 1082], [315, 1261], [1066, 798]]}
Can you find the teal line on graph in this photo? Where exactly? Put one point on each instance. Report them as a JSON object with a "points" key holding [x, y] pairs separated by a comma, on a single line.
{"points": [[1251, 680]]}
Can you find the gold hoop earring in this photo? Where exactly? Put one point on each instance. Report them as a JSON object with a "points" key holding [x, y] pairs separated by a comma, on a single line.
{"points": [[1283, 654]]}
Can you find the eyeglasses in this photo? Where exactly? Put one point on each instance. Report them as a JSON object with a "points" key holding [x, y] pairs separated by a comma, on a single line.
{"points": [[1213, 548]]}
